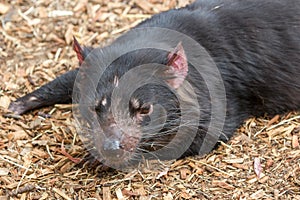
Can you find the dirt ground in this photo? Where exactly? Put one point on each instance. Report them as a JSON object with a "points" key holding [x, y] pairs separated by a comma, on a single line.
{"points": [[38, 153]]}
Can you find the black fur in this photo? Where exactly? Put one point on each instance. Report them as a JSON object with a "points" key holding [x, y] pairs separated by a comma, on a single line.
{"points": [[255, 44]]}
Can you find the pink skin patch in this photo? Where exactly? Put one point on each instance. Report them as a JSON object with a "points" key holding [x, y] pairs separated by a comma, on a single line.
{"points": [[178, 66], [129, 143], [79, 52]]}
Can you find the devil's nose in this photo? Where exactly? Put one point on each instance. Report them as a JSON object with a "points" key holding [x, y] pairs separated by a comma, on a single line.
{"points": [[112, 148], [111, 145]]}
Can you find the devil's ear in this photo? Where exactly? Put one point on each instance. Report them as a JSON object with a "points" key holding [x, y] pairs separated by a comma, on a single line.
{"points": [[80, 52], [177, 66]]}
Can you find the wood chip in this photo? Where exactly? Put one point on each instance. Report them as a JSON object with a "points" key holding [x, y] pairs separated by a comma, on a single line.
{"points": [[273, 120], [62, 194], [295, 142], [163, 173], [4, 101], [257, 167], [184, 173], [4, 8], [145, 5], [235, 160], [18, 135], [257, 195], [80, 5], [120, 194], [106, 193], [60, 13], [223, 184], [4, 172]]}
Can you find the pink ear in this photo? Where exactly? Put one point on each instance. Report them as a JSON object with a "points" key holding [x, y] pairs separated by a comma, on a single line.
{"points": [[79, 51], [178, 66]]}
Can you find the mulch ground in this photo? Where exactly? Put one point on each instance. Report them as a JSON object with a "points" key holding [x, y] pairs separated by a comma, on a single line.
{"points": [[38, 153]]}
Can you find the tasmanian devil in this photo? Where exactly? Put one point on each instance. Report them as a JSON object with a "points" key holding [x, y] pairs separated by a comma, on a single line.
{"points": [[182, 80]]}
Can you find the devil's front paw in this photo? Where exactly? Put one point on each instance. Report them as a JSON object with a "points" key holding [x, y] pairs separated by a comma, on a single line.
{"points": [[24, 104], [17, 107]]}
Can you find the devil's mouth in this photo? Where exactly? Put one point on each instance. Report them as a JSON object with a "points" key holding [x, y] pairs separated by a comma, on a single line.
{"points": [[119, 159]]}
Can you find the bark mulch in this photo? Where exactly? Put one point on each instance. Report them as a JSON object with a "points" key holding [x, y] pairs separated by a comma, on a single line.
{"points": [[39, 150]]}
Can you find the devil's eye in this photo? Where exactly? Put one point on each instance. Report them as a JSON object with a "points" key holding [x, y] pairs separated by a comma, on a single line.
{"points": [[100, 104], [137, 107], [145, 109]]}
